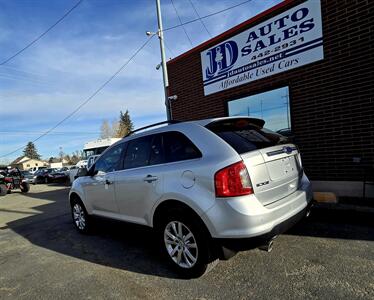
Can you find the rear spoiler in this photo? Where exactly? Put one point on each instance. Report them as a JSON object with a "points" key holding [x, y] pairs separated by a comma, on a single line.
{"points": [[240, 122]]}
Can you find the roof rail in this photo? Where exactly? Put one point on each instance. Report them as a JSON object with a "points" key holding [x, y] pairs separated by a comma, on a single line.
{"points": [[149, 126]]}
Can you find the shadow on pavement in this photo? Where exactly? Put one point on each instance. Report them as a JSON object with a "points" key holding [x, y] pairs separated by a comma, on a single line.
{"points": [[115, 244], [132, 248], [336, 224]]}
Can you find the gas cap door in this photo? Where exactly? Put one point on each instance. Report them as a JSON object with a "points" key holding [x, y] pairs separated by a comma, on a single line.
{"points": [[188, 179]]}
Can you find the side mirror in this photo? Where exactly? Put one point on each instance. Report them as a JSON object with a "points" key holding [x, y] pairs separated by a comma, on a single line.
{"points": [[81, 173]]}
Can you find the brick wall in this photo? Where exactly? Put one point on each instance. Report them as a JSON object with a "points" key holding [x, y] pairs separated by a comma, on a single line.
{"points": [[331, 101]]}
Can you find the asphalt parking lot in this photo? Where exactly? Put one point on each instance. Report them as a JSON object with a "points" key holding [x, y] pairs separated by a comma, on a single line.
{"points": [[42, 256]]}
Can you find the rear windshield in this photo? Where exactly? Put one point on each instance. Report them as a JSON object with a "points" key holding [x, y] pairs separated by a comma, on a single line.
{"points": [[245, 135]]}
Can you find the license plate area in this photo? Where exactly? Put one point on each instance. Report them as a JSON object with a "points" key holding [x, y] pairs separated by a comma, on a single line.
{"points": [[282, 168], [287, 165]]}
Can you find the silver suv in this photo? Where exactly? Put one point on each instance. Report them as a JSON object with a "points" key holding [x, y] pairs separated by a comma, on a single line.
{"points": [[202, 185]]}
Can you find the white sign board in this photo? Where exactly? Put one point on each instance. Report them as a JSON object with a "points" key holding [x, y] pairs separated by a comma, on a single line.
{"points": [[284, 42]]}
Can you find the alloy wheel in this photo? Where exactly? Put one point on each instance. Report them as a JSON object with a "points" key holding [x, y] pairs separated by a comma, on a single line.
{"points": [[79, 216], [181, 244]]}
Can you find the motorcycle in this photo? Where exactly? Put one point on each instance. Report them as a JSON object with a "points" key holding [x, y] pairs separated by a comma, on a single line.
{"points": [[3, 188], [11, 180]]}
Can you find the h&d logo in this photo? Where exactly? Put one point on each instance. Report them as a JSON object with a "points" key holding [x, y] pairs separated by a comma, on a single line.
{"points": [[221, 59]]}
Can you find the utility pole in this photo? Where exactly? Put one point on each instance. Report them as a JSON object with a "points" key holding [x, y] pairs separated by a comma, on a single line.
{"points": [[160, 34]]}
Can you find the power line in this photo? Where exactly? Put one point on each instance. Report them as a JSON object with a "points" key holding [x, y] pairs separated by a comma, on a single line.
{"points": [[88, 99], [202, 22], [207, 16], [117, 72], [180, 22], [43, 34]]}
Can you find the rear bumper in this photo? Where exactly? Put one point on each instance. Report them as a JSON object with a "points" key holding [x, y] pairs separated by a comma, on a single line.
{"points": [[242, 244], [245, 217]]}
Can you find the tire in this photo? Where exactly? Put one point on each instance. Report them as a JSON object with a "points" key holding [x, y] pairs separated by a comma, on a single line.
{"points": [[9, 188], [25, 187], [195, 253], [3, 190], [81, 219]]}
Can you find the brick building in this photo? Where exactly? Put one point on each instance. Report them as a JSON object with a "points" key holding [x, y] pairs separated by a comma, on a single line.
{"points": [[326, 101]]}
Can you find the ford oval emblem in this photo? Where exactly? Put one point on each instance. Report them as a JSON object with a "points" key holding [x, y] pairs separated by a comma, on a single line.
{"points": [[287, 150]]}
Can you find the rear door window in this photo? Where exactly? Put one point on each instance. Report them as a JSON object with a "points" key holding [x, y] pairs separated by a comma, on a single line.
{"points": [[157, 151], [178, 147], [244, 135]]}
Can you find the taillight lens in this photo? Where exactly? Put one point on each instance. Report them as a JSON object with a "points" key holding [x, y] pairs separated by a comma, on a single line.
{"points": [[233, 181]]}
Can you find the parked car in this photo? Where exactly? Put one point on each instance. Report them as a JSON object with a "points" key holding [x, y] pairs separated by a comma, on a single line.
{"points": [[34, 169], [28, 176], [57, 176], [65, 170], [41, 176], [72, 173], [207, 187]]}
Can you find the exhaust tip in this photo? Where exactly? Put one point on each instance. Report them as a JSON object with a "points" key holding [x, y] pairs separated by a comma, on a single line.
{"points": [[309, 211], [268, 247]]}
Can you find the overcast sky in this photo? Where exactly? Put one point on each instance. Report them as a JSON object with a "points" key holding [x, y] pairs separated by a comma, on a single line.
{"points": [[42, 85]]}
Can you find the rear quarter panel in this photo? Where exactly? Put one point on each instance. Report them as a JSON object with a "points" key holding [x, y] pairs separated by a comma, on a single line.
{"points": [[216, 154]]}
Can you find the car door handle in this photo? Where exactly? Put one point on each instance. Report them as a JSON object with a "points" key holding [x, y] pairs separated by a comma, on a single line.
{"points": [[108, 182], [150, 178]]}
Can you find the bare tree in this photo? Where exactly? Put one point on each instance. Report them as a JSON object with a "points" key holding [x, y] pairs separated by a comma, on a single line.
{"points": [[115, 128], [105, 130]]}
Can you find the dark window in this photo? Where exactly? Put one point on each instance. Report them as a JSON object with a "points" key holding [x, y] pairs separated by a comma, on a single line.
{"points": [[244, 135], [110, 161], [157, 151], [138, 152], [178, 147]]}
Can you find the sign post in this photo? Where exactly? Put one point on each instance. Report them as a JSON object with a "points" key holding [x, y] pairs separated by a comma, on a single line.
{"points": [[160, 34]]}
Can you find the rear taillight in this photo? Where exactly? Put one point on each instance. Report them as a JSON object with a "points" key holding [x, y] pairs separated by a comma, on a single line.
{"points": [[233, 181]]}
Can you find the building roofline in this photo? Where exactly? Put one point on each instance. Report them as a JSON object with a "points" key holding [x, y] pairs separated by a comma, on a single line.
{"points": [[226, 34]]}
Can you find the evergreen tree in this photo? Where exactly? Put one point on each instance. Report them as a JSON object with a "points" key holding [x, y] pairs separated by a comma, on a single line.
{"points": [[30, 151], [125, 124]]}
